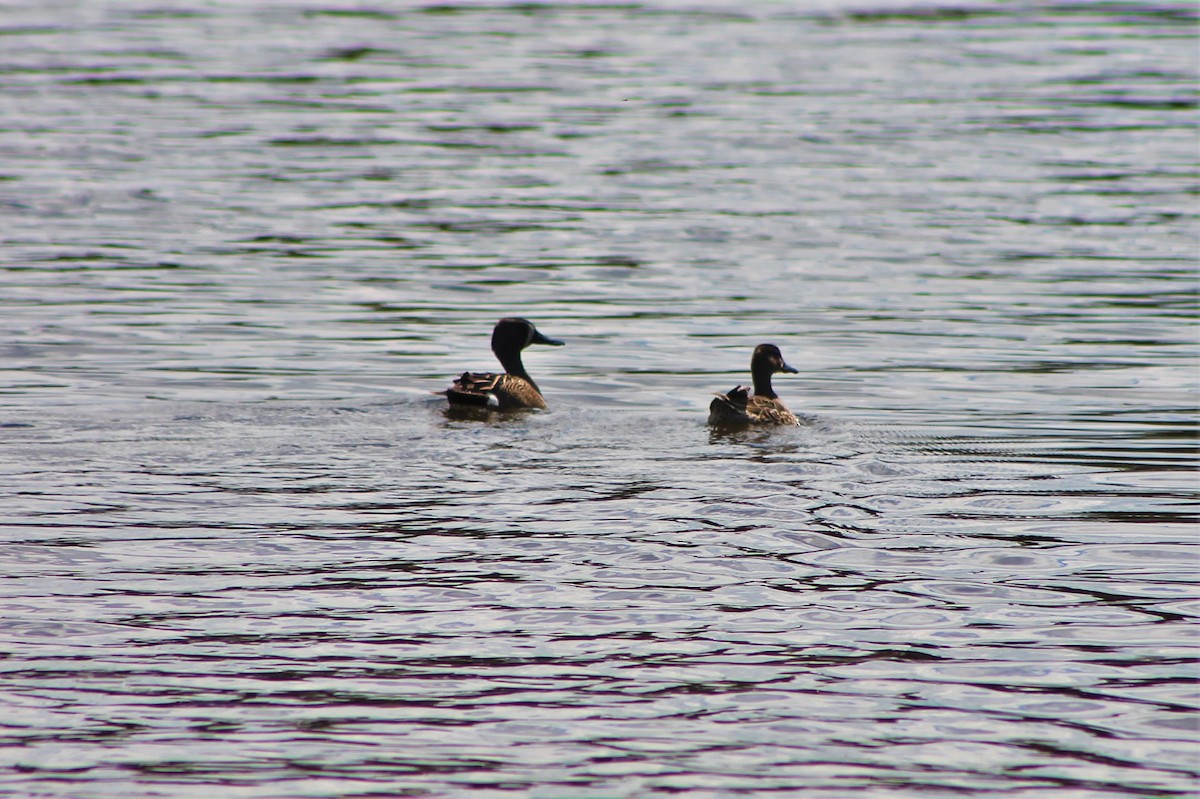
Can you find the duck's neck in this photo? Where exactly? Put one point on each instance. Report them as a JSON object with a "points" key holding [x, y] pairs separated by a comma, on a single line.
{"points": [[511, 361], [762, 383]]}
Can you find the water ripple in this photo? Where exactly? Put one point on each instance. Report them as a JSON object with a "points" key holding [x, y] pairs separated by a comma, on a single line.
{"points": [[247, 551]]}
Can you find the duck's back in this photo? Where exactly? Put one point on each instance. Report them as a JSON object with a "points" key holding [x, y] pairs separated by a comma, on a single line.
{"points": [[769, 410], [502, 392], [740, 407]]}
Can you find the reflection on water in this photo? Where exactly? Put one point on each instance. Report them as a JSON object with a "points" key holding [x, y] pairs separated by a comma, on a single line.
{"points": [[249, 550]]}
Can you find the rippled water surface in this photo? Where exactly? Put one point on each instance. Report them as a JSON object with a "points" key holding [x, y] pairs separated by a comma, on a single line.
{"points": [[247, 553]]}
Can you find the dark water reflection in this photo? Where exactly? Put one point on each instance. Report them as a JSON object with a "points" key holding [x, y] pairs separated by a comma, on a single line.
{"points": [[249, 553]]}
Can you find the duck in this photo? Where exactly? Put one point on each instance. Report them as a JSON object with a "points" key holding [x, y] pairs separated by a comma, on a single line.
{"points": [[763, 407], [512, 390]]}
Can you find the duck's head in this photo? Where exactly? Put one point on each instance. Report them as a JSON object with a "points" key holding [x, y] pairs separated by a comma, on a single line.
{"points": [[767, 358], [513, 334]]}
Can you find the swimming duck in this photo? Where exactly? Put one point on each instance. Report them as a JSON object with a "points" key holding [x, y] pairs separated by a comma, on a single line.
{"points": [[763, 406], [512, 390]]}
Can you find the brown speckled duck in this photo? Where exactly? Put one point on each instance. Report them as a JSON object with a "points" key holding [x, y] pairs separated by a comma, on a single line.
{"points": [[763, 407], [512, 390]]}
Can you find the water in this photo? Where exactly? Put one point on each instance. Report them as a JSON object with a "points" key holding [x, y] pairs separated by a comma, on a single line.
{"points": [[248, 554]]}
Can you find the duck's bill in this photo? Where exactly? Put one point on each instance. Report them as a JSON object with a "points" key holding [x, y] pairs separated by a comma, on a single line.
{"points": [[538, 338], [790, 369]]}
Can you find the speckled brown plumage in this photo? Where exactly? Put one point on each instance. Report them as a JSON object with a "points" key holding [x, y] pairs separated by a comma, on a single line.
{"points": [[501, 392]]}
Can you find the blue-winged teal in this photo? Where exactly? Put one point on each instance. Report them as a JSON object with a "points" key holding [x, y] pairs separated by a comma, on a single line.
{"points": [[763, 406], [512, 390]]}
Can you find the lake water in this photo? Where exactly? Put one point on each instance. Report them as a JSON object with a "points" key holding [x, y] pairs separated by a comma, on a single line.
{"points": [[247, 553]]}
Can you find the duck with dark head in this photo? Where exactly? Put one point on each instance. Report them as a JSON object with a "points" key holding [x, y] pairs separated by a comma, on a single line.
{"points": [[512, 390], [763, 407]]}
